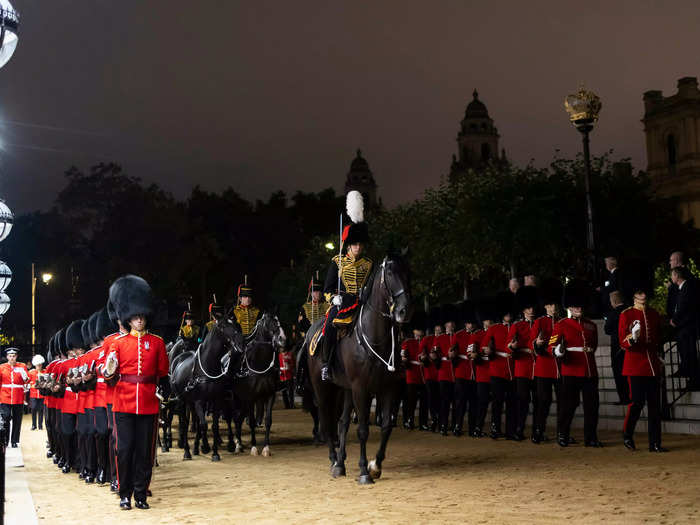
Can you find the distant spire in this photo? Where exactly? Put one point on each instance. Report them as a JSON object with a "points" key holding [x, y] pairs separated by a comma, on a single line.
{"points": [[475, 94], [359, 152]]}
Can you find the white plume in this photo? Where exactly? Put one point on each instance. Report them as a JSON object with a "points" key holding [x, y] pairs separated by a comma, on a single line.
{"points": [[38, 360], [355, 206]]}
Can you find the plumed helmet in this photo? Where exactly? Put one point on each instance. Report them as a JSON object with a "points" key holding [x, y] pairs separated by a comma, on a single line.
{"points": [[74, 335], [131, 296], [104, 325], [38, 359], [577, 292], [526, 297], [354, 233]]}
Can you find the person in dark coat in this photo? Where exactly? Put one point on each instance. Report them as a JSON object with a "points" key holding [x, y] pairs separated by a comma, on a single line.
{"points": [[617, 355], [685, 320]]}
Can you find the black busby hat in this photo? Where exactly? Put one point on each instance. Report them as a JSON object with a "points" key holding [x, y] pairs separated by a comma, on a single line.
{"points": [[435, 317], [105, 325], [487, 310], [74, 335], [85, 332], [450, 313], [111, 312], [419, 320], [92, 326], [354, 233], [468, 312], [551, 292], [577, 292], [59, 344], [131, 296], [357, 230], [526, 297], [245, 290], [187, 316], [49, 349], [505, 304]]}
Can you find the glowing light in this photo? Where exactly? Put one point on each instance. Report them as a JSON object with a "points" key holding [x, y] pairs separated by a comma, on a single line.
{"points": [[46, 277], [330, 246]]}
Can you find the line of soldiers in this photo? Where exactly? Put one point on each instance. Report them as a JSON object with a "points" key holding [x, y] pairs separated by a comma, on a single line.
{"points": [[100, 390], [518, 365]]}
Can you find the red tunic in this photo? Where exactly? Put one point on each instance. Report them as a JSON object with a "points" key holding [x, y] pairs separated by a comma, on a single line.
{"points": [[545, 364], [89, 360], [576, 334], [444, 343], [430, 373], [481, 363], [52, 401], [286, 360], [142, 362], [414, 368], [641, 358], [500, 360], [464, 368], [107, 344], [101, 386], [524, 355], [70, 398], [12, 390], [33, 392]]}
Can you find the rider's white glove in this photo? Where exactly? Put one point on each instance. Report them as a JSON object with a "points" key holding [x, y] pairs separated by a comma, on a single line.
{"points": [[337, 300], [636, 330]]}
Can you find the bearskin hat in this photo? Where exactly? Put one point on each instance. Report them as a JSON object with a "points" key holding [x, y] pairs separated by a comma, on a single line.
{"points": [[87, 336], [467, 311], [105, 325], [577, 292], [92, 326], [111, 312], [450, 313], [435, 317], [487, 309], [59, 343], [526, 297], [419, 321], [551, 292], [505, 303], [74, 335], [131, 295]]}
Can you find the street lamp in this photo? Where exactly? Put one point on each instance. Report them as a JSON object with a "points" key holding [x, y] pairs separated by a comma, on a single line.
{"points": [[4, 303], [46, 279], [330, 246], [9, 26], [5, 276], [6, 219], [583, 108]]}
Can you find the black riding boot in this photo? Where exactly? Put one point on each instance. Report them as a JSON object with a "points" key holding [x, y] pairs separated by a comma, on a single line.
{"points": [[326, 347]]}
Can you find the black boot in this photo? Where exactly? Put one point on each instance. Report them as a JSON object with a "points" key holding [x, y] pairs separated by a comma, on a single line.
{"points": [[536, 436], [125, 503], [656, 447], [495, 432], [628, 442], [563, 440], [101, 477], [457, 431]]}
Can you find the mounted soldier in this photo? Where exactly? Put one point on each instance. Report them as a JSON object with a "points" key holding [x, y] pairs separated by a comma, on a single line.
{"points": [[314, 308], [188, 330], [346, 277], [215, 311], [246, 314]]}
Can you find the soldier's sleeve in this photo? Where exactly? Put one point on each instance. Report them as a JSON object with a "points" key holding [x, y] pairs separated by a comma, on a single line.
{"points": [[330, 287], [622, 332], [555, 338]]}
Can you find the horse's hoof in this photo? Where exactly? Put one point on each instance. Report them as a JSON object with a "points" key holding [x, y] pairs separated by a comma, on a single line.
{"points": [[195, 452], [231, 447], [337, 471], [164, 449], [253, 451], [374, 470], [206, 449], [266, 451], [365, 479], [187, 456], [215, 457]]}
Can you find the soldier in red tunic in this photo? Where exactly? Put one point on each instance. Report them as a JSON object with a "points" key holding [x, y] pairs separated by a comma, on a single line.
{"points": [[139, 363], [465, 385], [13, 377], [430, 371], [639, 332], [502, 371], [415, 384], [546, 369], [35, 397], [446, 349], [70, 379], [479, 354], [286, 364], [520, 344], [574, 342]]}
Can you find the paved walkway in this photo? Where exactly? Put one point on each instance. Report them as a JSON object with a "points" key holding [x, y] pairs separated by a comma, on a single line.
{"points": [[19, 505]]}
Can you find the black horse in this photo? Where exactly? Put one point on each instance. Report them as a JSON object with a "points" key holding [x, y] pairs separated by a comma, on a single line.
{"points": [[365, 364], [259, 379], [204, 375], [172, 406]]}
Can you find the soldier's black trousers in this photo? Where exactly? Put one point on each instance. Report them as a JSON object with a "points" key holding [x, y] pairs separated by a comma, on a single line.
{"points": [[37, 405], [483, 397], [545, 385], [50, 414], [134, 438], [447, 394], [57, 434], [572, 389], [503, 391], [433, 389], [68, 423], [288, 393], [617, 360], [525, 390], [644, 390], [465, 398], [416, 393], [112, 444], [12, 414]]}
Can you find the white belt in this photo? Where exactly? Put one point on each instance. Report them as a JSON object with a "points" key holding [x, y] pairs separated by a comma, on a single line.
{"points": [[485, 357], [444, 359], [12, 386], [502, 354], [69, 389], [417, 363], [100, 379], [574, 348], [462, 356], [526, 350]]}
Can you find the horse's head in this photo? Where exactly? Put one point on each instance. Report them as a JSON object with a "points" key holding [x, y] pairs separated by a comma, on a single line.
{"points": [[395, 286], [227, 331], [271, 330]]}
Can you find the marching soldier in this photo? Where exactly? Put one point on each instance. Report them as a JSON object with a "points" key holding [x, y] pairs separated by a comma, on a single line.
{"points": [[415, 385], [345, 279], [314, 308], [479, 354], [188, 330], [502, 371], [465, 385], [13, 377], [546, 370], [524, 357], [286, 362], [430, 372], [138, 362], [246, 314], [70, 406], [640, 337], [574, 342], [35, 397]]}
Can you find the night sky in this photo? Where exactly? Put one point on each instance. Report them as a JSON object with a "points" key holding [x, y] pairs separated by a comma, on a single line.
{"points": [[266, 95]]}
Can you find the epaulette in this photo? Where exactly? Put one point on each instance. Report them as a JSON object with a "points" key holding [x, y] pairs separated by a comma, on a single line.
{"points": [[155, 335], [335, 259], [122, 335]]}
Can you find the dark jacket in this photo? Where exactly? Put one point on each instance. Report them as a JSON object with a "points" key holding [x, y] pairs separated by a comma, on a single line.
{"points": [[685, 311]]}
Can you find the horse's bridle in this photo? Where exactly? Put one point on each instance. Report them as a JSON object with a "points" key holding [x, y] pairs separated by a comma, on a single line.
{"points": [[274, 344], [391, 296], [228, 342]]}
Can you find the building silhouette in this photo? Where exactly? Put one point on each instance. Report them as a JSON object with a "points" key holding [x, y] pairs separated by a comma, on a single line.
{"points": [[360, 178], [672, 130]]}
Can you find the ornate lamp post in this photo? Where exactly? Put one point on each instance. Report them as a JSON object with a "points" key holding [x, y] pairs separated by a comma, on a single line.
{"points": [[583, 108]]}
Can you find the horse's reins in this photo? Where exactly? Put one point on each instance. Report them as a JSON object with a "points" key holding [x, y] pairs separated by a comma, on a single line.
{"points": [[390, 303], [245, 353], [224, 370]]}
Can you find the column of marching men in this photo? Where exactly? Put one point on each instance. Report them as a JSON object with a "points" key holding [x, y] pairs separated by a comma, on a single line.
{"points": [[508, 357], [100, 391]]}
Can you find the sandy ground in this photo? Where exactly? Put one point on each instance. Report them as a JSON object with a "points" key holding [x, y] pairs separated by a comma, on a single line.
{"points": [[427, 479]]}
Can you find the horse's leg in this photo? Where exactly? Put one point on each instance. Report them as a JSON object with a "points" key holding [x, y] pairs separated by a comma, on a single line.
{"points": [[251, 423], [362, 402], [202, 416], [375, 466], [163, 420], [343, 425], [268, 424], [184, 424], [231, 446], [238, 417], [313, 410], [194, 414], [216, 438]]}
